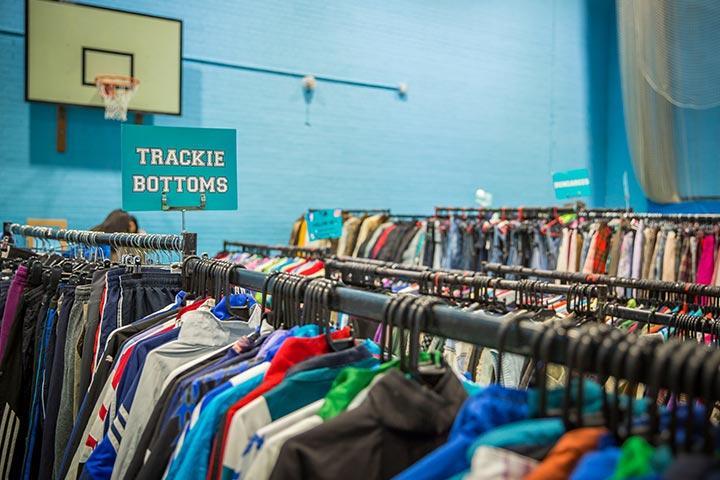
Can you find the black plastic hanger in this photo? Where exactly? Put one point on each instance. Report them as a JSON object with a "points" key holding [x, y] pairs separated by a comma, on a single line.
{"points": [[675, 380], [402, 316], [602, 366], [278, 302], [413, 320], [536, 343], [546, 344], [573, 347], [387, 326], [710, 380], [692, 376], [619, 364], [658, 371], [514, 321]]}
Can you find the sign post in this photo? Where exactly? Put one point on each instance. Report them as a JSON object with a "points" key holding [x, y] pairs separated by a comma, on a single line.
{"points": [[173, 168]]}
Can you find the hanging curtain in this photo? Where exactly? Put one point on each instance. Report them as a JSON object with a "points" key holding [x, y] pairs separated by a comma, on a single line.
{"points": [[670, 75]]}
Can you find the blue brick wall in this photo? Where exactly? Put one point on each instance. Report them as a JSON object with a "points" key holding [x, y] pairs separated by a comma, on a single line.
{"points": [[498, 99]]}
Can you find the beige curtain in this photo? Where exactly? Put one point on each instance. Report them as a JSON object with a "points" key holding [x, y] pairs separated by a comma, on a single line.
{"points": [[670, 75]]}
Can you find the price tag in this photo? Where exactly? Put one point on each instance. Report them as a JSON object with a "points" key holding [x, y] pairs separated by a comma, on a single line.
{"points": [[324, 224]]}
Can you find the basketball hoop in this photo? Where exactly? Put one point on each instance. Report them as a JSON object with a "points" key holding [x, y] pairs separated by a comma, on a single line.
{"points": [[116, 91]]}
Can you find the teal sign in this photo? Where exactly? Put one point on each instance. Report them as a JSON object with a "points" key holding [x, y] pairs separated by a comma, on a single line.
{"points": [[184, 162], [324, 224], [572, 183]]}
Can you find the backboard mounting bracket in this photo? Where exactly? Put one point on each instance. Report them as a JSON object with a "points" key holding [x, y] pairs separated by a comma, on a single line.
{"points": [[61, 129]]}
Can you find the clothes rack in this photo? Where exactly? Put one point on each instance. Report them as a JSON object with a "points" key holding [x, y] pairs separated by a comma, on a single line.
{"points": [[443, 283], [527, 213], [360, 272], [690, 217], [696, 324], [472, 327], [265, 249], [689, 289], [446, 321], [505, 212], [185, 242], [407, 216], [360, 211]]}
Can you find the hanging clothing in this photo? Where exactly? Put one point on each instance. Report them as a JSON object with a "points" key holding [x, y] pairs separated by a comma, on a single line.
{"points": [[389, 438]]}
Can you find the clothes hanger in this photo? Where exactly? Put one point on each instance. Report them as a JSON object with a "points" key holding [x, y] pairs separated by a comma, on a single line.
{"points": [[619, 364], [638, 361], [291, 306], [386, 327], [589, 340], [572, 349], [429, 373], [328, 298], [412, 322], [674, 374], [514, 321], [546, 343], [277, 301], [604, 349], [692, 376], [658, 370], [264, 295], [401, 314], [609, 354], [537, 361], [711, 378], [310, 304]]}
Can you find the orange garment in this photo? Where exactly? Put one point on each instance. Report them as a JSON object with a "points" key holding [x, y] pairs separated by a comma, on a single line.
{"points": [[566, 453]]}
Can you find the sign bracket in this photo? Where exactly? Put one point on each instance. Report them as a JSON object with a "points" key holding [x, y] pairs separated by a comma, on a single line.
{"points": [[166, 207]]}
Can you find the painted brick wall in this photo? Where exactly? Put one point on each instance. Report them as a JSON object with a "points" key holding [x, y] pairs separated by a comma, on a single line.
{"points": [[498, 99]]}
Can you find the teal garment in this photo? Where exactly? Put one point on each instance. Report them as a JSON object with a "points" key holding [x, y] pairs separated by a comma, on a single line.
{"points": [[592, 398], [471, 388], [545, 431], [305, 331], [303, 388], [539, 431], [533, 431], [373, 347], [194, 455]]}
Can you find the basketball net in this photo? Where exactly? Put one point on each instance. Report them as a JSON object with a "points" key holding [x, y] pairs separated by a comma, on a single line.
{"points": [[116, 92]]}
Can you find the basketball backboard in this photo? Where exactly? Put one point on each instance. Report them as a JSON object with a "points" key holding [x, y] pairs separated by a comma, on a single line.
{"points": [[69, 44]]}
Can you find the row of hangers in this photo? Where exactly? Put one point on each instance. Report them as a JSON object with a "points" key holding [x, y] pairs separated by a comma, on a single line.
{"points": [[586, 348], [268, 250], [461, 286], [602, 351]]}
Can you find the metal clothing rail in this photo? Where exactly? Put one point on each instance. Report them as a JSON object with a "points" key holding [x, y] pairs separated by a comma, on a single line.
{"points": [[689, 289], [314, 252], [371, 211], [693, 324], [484, 329], [520, 212], [433, 281], [186, 243], [700, 217], [359, 211], [408, 216], [447, 321], [523, 212]]}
